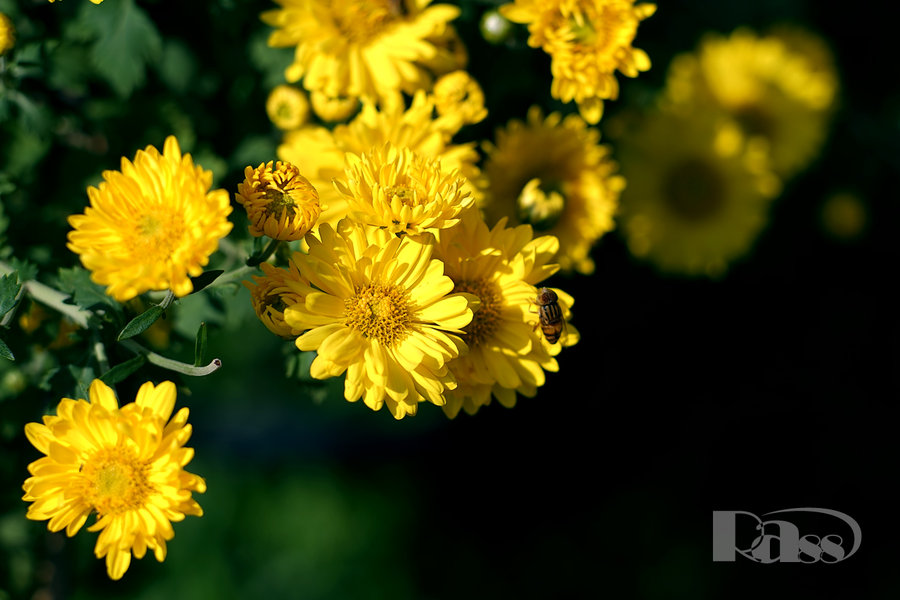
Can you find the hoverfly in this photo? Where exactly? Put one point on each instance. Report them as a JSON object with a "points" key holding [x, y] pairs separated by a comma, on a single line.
{"points": [[550, 314]]}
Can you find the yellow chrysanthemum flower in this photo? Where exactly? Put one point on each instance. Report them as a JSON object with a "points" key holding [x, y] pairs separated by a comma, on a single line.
{"points": [[368, 49], [152, 225], [287, 107], [588, 41], [458, 94], [334, 109], [320, 152], [124, 464], [507, 351], [553, 174], [7, 34], [779, 88], [698, 194], [380, 309], [273, 292], [402, 192], [281, 203]]}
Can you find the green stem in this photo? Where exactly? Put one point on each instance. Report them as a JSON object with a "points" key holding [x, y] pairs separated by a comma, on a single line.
{"points": [[170, 364], [260, 258], [233, 276]]}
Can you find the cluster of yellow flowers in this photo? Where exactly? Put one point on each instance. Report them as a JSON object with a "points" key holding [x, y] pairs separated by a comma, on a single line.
{"points": [[415, 272], [736, 119]]}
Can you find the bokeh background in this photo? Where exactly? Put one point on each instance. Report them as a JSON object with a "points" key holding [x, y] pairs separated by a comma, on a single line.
{"points": [[771, 387]]}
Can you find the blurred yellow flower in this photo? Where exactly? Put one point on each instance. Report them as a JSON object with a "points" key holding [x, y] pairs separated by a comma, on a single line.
{"points": [[368, 49], [697, 194], [380, 309], [320, 152], [588, 41], [287, 107], [93, 1], [554, 175], [507, 352], [152, 225], [399, 191], [458, 94], [779, 88], [7, 34], [281, 203], [333, 109], [274, 291], [124, 464]]}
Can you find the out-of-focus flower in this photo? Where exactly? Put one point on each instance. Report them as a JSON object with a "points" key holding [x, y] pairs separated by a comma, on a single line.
{"points": [[93, 1], [555, 176], [368, 49], [588, 41], [320, 152], [7, 34], [287, 107], [333, 108], [152, 225], [457, 94], [380, 309], [844, 216], [402, 192], [124, 464], [698, 194], [781, 89], [281, 203], [507, 351], [271, 293]]}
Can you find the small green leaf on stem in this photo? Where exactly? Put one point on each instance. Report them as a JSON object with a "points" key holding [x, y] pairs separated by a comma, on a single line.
{"points": [[140, 323], [123, 370], [5, 352], [200, 345]]}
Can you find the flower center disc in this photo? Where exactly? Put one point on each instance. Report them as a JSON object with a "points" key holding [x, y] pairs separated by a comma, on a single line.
{"points": [[694, 190], [116, 481], [156, 233], [486, 319], [380, 311], [361, 20]]}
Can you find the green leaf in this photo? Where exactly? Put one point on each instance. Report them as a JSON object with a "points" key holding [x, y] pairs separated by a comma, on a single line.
{"points": [[140, 323], [5, 352], [123, 370], [204, 279], [126, 42], [9, 290], [76, 281], [200, 345]]}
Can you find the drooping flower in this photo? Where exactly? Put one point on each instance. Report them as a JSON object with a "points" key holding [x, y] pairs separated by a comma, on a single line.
{"points": [[281, 203], [780, 88], [380, 309], [287, 107], [694, 206], [402, 192], [274, 291], [126, 464], [320, 153], [507, 351], [7, 34], [367, 49], [588, 41], [152, 225], [553, 174]]}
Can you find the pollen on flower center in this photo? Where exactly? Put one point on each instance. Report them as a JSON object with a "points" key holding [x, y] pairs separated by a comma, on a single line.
{"points": [[116, 481], [379, 310], [157, 233], [694, 190], [486, 319], [277, 202], [404, 193], [361, 20]]}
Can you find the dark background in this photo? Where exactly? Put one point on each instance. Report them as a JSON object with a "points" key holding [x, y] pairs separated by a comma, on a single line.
{"points": [[772, 388]]}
